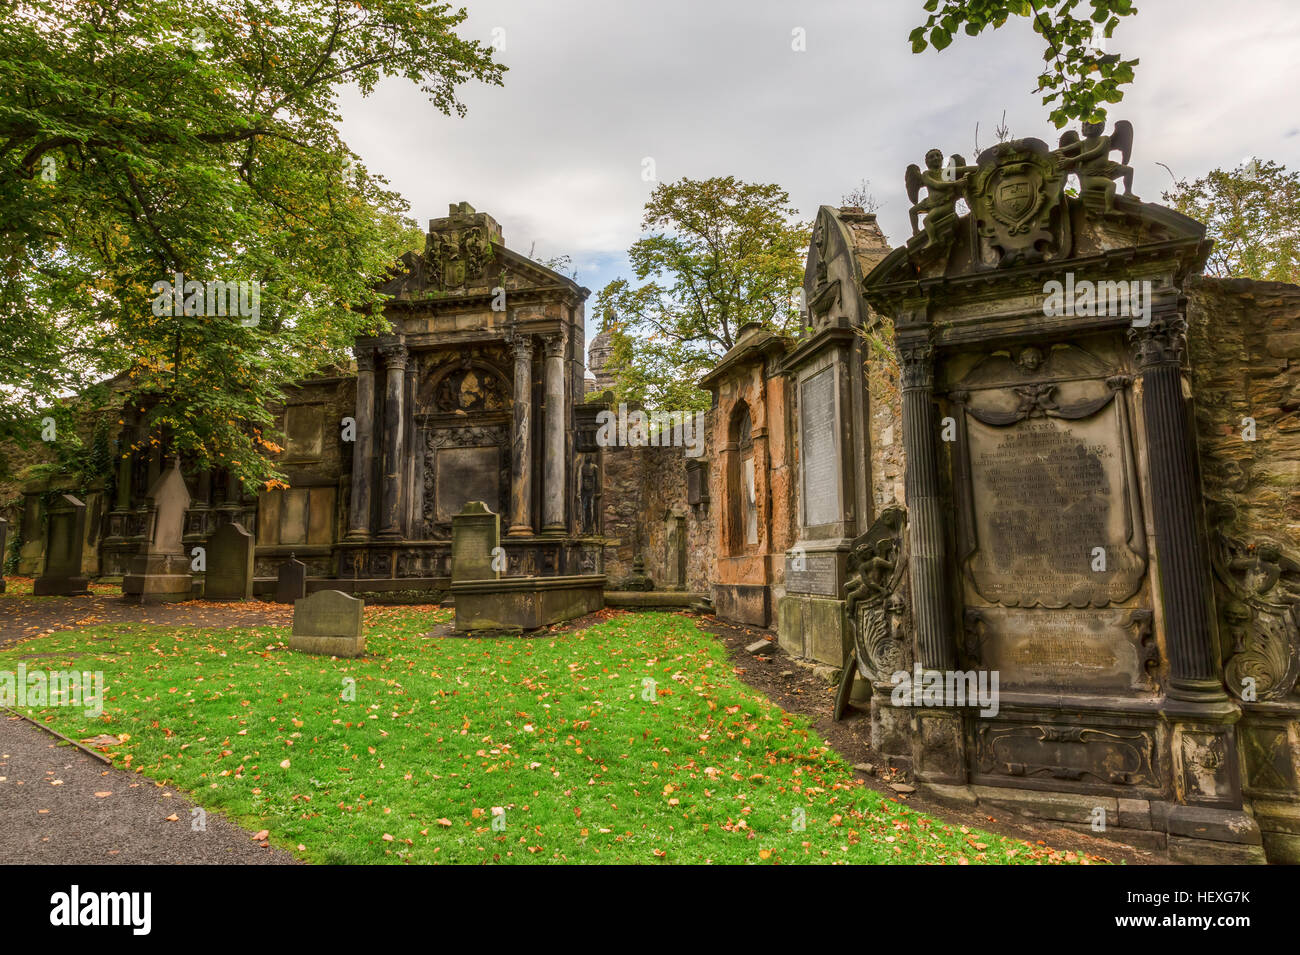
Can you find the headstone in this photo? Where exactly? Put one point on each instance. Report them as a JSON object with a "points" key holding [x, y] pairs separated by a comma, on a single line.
{"points": [[230, 564], [4, 538], [31, 552], [475, 543], [329, 622], [66, 539], [160, 572], [291, 584]]}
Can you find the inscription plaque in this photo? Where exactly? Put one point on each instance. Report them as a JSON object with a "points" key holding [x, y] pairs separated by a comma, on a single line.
{"points": [[821, 486], [464, 475], [817, 576], [1064, 649], [1047, 492]]}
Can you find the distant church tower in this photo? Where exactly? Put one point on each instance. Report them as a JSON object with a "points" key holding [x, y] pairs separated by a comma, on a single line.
{"points": [[597, 359]]}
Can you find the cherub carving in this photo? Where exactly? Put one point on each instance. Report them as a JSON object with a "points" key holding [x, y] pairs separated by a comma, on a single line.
{"points": [[944, 186], [1090, 158]]}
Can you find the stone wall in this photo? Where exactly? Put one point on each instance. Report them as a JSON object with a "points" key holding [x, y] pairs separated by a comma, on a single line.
{"points": [[1244, 348], [645, 509]]}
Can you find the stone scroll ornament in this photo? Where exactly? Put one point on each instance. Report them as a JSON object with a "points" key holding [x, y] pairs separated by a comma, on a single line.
{"points": [[877, 605], [1259, 607]]}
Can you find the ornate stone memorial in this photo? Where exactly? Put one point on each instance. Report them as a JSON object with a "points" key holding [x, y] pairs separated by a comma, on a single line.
{"points": [[1051, 468]]}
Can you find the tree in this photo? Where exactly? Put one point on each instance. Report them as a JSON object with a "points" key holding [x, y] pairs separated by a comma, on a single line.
{"points": [[141, 140], [1081, 76], [1253, 215], [860, 197], [730, 253]]}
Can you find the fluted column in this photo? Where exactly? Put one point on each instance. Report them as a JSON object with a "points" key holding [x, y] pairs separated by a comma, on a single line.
{"points": [[390, 505], [1175, 498], [521, 453], [553, 453], [928, 575], [363, 448], [125, 456]]}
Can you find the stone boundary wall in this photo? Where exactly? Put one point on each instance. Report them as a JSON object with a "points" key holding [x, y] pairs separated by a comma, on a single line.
{"points": [[1244, 349], [644, 489]]}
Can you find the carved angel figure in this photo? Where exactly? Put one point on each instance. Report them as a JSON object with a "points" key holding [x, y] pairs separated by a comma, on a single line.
{"points": [[944, 186], [1090, 158]]}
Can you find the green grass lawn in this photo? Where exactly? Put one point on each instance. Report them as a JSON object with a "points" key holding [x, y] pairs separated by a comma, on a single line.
{"points": [[631, 741]]}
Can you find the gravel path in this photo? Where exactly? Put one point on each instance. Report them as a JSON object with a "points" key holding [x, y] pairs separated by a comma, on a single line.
{"points": [[53, 812]]}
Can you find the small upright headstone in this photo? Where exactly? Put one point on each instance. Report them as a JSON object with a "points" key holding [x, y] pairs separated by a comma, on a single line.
{"points": [[291, 585], [160, 572], [67, 538], [475, 543], [4, 539], [230, 565], [328, 623]]}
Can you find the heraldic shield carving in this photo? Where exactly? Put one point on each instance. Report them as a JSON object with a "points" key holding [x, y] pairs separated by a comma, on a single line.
{"points": [[1016, 196]]}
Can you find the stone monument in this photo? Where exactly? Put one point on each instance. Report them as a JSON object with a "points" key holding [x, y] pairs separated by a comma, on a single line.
{"points": [[825, 370], [4, 539], [291, 581], [160, 572], [328, 623], [230, 565], [66, 537], [1051, 466]]}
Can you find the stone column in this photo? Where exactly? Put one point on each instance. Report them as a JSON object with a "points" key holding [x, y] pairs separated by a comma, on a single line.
{"points": [[124, 469], [928, 575], [363, 447], [390, 519], [521, 451], [1194, 669], [553, 453]]}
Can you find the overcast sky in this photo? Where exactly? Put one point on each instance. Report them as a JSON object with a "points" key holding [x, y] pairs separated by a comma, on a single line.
{"points": [[713, 87]]}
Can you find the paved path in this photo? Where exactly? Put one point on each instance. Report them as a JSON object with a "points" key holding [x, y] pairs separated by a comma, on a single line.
{"points": [[50, 813]]}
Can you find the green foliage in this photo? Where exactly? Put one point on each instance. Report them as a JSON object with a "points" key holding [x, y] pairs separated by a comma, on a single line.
{"points": [[729, 253], [1253, 215], [629, 742], [1080, 77], [140, 139]]}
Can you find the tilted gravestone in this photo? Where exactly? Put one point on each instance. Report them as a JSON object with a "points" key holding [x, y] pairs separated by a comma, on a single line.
{"points": [[475, 543], [329, 622], [230, 564], [67, 538], [291, 584], [160, 572], [4, 537]]}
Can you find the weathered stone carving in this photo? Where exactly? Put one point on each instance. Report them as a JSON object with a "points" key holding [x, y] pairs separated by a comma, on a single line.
{"points": [[1260, 613], [1015, 195], [1090, 158], [875, 598], [944, 186]]}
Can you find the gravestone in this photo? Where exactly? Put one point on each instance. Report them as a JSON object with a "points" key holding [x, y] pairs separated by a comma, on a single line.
{"points": [[31, 536], [66, 540], [4, 539], [230, 565], [160, 572], [291, 583], [329, 623], [475, 543]]}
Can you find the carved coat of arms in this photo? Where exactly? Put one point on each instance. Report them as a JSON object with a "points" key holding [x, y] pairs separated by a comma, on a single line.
{"points": [[1016, 196]]}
